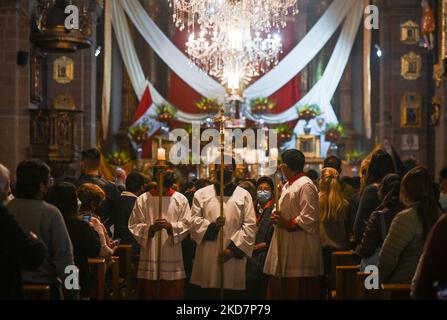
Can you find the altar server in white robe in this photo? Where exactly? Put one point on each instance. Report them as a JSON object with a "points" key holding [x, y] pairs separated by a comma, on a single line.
{"points": [[239, 228], [174, 227], [298, 223]]}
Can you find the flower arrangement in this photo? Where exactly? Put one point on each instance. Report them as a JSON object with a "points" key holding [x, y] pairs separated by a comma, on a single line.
{"points": [[284, 133], [209, 105], [139, 133], [261, 105], [118, 158], [165, 112], [355, 157], [308, 112], [334, 132]]}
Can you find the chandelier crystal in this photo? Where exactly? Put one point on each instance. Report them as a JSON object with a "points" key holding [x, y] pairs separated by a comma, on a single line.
{"points": [[237, 40]]}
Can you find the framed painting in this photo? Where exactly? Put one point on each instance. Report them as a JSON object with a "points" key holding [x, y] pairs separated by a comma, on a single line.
{"points": [[411, 66], [63, 70], [411, 111], [410, 32]]}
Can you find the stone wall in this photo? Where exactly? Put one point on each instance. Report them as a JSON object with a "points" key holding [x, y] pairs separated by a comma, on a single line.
{"points": [[14, 82], [393, 86]]}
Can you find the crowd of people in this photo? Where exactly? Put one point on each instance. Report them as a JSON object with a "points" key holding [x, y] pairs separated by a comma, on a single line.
{"points": [[391, 216]]}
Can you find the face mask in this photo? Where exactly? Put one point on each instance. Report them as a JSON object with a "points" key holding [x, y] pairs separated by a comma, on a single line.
{"points": [[264, 196], [443, 201]]}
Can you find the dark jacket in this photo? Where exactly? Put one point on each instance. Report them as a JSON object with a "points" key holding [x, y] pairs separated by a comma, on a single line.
{"points": [[255, 264], [373, 237], [17, 251], [432, 266], [109, 209], [85, 245], [369, 201], [127, 201]]}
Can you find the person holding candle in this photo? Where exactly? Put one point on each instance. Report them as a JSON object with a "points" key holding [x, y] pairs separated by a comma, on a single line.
{"points": [[298, 224], [145, 225], [239, 227]]}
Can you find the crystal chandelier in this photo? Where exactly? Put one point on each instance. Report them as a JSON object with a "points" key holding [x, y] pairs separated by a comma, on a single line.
{"points": [[236, 40]]}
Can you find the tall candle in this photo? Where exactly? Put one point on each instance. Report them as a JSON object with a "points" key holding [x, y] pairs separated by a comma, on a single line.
{"points": [[161, 154], [274, 154]]}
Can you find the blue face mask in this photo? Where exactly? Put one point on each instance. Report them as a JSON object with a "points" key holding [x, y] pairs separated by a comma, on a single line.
{"points": [[443, 201], [264, 196]]}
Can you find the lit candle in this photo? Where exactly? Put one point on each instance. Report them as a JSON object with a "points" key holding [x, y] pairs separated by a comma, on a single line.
{"points": [[161, 154], [274, 154]]}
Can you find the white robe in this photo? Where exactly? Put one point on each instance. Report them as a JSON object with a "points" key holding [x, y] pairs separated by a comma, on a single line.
{"points": [[240, 228], [176, 210], [301, 250]]}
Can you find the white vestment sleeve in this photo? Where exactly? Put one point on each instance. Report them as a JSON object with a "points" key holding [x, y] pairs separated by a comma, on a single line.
{"points": [[138, 224], [181, 227], [309, 217], [199, 224], [244, 238]]}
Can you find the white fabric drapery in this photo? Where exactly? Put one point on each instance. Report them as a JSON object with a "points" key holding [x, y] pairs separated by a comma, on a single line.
{"points": [[321, 93], [135, 70], [303, 53], [127, 49], [324, 90], [287, 68], [171, 55]]}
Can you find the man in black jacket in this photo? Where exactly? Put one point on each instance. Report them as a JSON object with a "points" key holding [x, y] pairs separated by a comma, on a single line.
{"points": [[109, 209], [135, 184], [17, 250]]}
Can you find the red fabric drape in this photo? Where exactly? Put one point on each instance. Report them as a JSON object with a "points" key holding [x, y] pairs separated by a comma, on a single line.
{"points": [[180, 94]]}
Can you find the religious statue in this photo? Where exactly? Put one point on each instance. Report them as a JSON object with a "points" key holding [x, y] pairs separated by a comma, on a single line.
{"points": [[428, 25]]}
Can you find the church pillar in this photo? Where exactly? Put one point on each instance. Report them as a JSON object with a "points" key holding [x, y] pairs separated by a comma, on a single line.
{"points": [[404, 94], [14, 82]]}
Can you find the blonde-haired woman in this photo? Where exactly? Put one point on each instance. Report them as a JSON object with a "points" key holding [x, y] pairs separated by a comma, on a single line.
{"points": [[335, 216]]}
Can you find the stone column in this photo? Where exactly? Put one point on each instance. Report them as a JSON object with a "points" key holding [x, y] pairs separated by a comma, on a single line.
{"points": [[14, 82]]}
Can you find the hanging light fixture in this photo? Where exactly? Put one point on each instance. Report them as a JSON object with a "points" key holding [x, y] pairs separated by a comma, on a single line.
{"points": [[237, 40]]}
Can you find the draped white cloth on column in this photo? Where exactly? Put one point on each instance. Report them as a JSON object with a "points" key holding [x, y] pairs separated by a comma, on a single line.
{"points": [[171, 55], [127, 49], [135, 70]]}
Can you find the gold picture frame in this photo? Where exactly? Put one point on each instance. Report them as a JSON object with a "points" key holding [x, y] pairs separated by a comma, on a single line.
{"points": [[439, 67], [410, 32], [64, 102], [411, 110], [309, 145], [411, 66], [63, 70]]}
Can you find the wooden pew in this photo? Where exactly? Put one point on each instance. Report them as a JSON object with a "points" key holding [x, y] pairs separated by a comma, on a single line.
{"points": [[97, 272], [366, 294], [125, 253], [339, 258], [346, 278], [36, 292], [115, 273], [396, 291]]}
